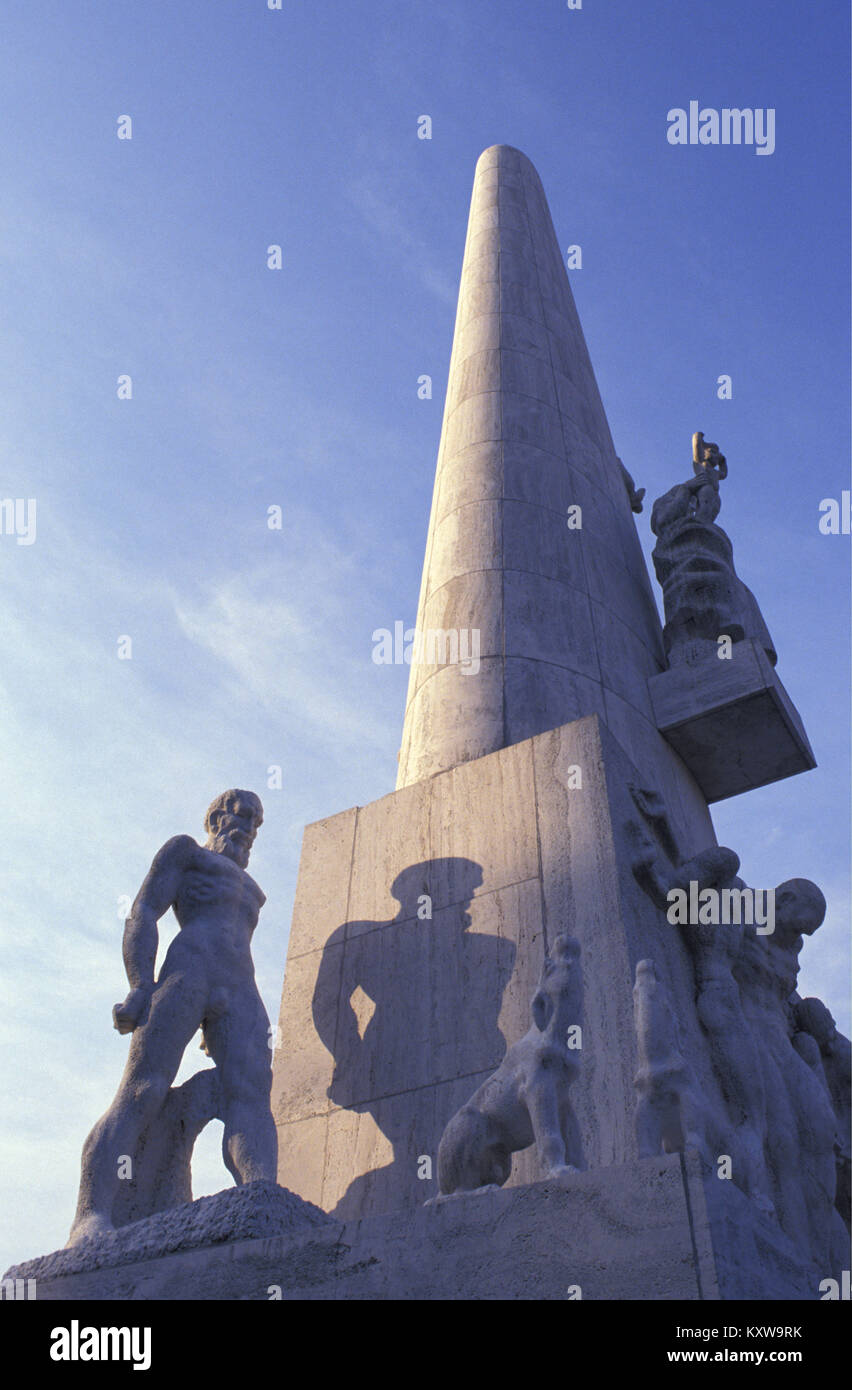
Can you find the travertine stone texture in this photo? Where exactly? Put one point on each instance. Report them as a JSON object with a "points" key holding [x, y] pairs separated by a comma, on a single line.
{"points": [[253, 1211], [566, 616], [391, 1017], [615, 1234]]}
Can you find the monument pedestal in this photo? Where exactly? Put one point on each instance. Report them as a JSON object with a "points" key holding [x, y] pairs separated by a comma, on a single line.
{"points": [[419, 930], [731, 721], [649, 1230], [420, 926]]}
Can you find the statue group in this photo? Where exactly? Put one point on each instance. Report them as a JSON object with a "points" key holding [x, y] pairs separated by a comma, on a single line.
{"points": [[779, 1112]]}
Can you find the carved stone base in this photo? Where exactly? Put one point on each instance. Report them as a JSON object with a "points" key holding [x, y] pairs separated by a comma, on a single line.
{"points": [[419, 932], [652, 1230], [255, 1210], [731, 721]]}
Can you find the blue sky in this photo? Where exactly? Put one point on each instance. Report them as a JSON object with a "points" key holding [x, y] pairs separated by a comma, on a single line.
{"points": [[298, 388]]}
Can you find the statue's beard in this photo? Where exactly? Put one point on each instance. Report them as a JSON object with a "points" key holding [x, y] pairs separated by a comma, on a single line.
{"points": [[234, 843]]}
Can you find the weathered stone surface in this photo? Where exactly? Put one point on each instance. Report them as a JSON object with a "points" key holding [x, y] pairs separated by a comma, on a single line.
{"points": [[813, 1020], [324, 865], [754, 1260], [615, 1234], [162, 1173], [771, 1125], [731, 721], [255, 1211]]}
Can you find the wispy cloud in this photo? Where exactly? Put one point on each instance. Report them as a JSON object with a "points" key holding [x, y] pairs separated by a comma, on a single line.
{"points": [[388, 221], [282, 634]]}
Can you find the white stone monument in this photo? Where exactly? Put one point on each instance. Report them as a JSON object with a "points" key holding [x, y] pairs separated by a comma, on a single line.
{"points": [[554, 778]]}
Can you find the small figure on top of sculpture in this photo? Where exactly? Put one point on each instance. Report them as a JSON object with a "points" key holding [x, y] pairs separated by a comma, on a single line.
{"points": [[703, 597], [207, 981], [710, 467], [526, 1100], [708, 457], [698, 498]]}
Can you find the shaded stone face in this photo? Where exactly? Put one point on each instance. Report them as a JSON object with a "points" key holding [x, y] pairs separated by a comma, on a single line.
{"points": [[799, 907]]}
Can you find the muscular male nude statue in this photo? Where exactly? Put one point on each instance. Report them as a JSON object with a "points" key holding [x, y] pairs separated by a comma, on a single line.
{"points": [[207, 981]]}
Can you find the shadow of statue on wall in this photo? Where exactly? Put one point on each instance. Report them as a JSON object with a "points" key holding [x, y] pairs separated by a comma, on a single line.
{"points": [[405, 1003]]}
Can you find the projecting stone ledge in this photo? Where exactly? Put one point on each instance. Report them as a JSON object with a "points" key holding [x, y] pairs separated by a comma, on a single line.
{"points": [[731, 721]]}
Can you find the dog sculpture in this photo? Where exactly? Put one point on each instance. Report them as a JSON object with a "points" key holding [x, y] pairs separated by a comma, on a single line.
{"points": [[526, 1099]]}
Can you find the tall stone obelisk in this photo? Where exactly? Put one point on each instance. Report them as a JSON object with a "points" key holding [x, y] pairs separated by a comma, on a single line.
{"points": [[550, 783], [421, 921], [561, 600]]}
